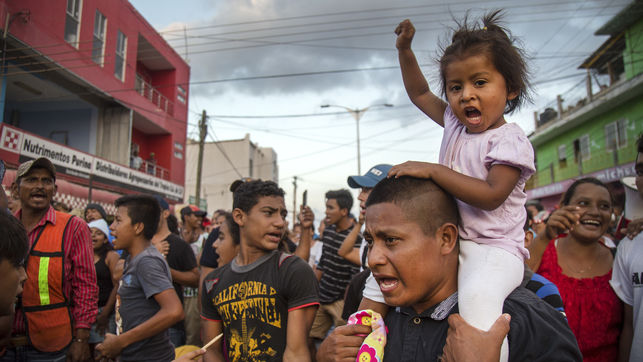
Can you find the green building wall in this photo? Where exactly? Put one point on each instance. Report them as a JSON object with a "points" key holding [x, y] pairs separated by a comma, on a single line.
{"points": [[633, 54], [600, 158]]}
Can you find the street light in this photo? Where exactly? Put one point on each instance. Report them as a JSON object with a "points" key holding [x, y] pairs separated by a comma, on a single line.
{"points": [[357, 114]]}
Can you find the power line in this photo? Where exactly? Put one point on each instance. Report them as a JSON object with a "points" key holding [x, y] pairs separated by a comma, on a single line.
{"points": [[286, 43], [220, 39], [363, 11], [294, 115], [223, 152]]}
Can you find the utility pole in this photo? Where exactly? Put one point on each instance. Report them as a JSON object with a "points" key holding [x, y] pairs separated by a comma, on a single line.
{"points": [[203, 130], [357, 113], [294, 201]]}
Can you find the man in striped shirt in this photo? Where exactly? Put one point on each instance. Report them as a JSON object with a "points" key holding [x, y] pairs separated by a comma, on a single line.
{"points": [[35, 186], [333, 271]]}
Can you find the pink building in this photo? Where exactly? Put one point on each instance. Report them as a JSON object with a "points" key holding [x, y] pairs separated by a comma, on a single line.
{"points": [[91, 85]]}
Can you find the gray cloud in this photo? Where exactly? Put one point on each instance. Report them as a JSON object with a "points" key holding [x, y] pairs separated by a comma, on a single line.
{"points": [[238, 42]]}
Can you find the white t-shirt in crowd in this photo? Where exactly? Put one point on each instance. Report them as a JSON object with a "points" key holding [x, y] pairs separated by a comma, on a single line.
{"points": [[627, 282], [315, 253]]}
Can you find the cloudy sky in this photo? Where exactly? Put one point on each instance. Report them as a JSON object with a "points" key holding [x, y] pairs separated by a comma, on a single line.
{"points": [[265, 67]]}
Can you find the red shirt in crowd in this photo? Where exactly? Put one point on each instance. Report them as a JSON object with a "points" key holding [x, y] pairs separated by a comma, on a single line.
{"points": [[594, 312]]}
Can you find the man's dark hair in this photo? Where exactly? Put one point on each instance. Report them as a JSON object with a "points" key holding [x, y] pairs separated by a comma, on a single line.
{"points": [[421, 200], [14, 243], [247, 194], [528, 221], [144, 209], [495, 42], [173, 224], [639, 143], [343, 197], [567, 196], [536, 204]]}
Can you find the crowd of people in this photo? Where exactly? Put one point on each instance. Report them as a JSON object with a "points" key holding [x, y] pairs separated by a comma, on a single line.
{"points": [[453, 263]]}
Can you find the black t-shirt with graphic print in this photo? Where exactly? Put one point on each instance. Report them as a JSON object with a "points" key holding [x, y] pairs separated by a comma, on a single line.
{"points": [[253, 301]]}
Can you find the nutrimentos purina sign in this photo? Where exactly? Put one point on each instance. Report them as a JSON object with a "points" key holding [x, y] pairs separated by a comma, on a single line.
{"points": [[79, 164]]}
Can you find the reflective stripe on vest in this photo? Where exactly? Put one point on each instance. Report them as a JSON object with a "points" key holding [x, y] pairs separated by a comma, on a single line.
{"points": [[46, 308], [43, 281]]}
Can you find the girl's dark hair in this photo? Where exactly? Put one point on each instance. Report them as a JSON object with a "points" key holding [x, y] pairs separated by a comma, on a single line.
{"points": [[105, 248], [587, 180], [496, 42], [173, 224], [233, 227]]}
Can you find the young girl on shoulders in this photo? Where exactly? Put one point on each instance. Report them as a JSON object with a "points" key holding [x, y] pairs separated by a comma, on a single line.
{"points": [[484, 161]]}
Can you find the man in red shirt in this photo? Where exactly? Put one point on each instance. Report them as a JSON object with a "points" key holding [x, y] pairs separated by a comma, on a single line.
{"points": [[59, 300]]}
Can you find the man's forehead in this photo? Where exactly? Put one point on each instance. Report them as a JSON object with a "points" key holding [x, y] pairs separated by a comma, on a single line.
{"points": [[332, 202], [38, 171], [272, 201], [122, 211], [384, 215]]}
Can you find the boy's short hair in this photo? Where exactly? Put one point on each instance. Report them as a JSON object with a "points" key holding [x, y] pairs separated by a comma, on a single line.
{"points": [[421, 200], [247, 194], [343, 197], [144, 209], [14, 243]]}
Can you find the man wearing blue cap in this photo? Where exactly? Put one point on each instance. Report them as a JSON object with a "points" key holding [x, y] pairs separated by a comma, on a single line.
{"points": [[366, 183], [347, 250]]}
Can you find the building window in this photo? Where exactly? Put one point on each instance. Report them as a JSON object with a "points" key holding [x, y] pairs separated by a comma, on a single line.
{"points": [[621, 126], [181, 94], [616, 135], [98, 44], [581, 149], [119, 60], [562, 155], [72, 22]]}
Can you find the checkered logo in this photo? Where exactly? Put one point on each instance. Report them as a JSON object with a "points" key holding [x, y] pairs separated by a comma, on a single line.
{"points": [[79, 203], [10, 140]]}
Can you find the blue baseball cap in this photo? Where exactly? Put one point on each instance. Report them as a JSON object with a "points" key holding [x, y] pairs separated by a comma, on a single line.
{"points": [[371, 178]]}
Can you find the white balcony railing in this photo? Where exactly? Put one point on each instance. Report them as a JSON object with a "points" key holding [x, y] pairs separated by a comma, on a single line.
{"points": [[146, 90]]}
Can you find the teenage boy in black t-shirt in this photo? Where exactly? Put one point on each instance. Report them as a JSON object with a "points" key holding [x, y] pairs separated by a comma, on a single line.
{"points": [[265, 300]]}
